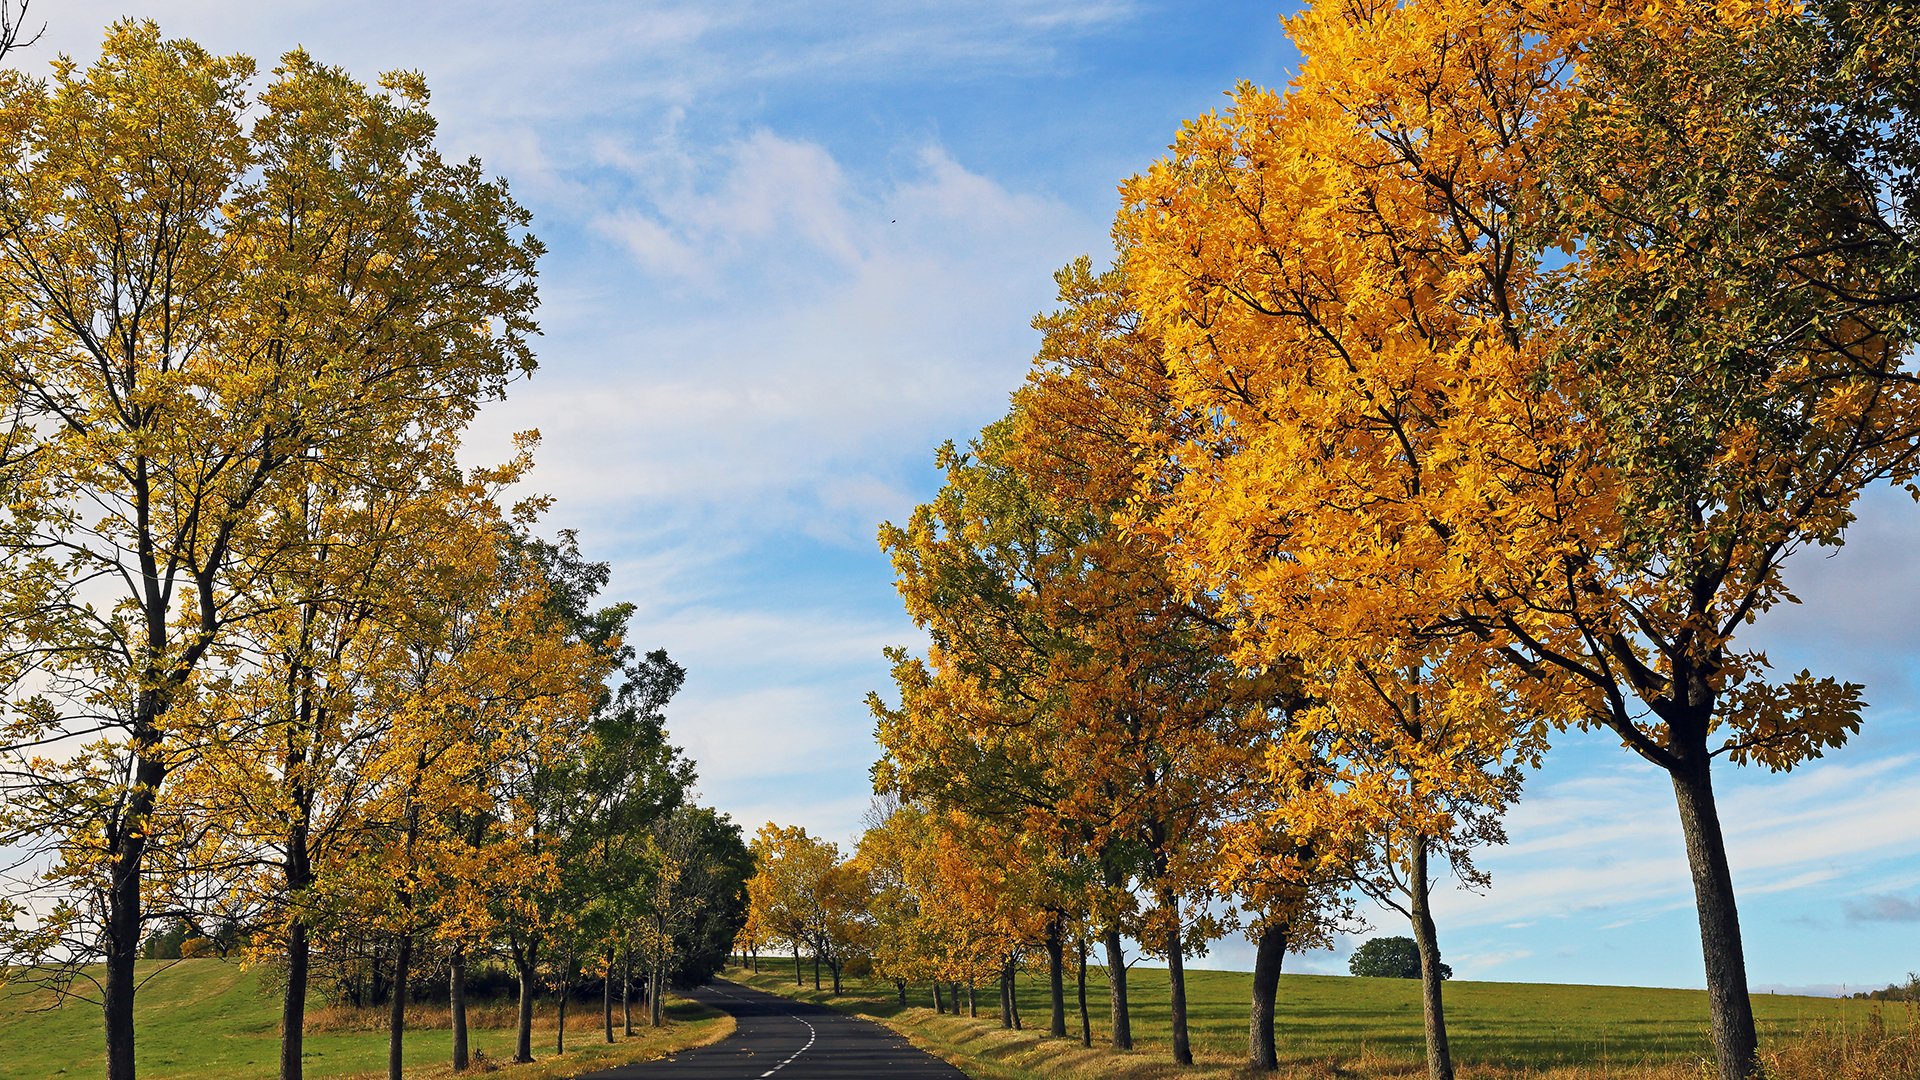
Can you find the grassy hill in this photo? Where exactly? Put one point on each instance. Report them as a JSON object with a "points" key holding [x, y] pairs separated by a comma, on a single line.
{"points": [[210, 1020], [1332, 1026]]}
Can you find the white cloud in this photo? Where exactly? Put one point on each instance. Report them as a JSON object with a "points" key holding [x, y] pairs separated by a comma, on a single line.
{"points": [[1605, 848], [795, 334]]}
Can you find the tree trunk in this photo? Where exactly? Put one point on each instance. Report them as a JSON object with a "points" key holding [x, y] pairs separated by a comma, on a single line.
{"points": [[526, 965], [1056, 979], [397, 1017], [1086, 1021], [626, 988], [1122, 1037], [973, 1000], [1176, 982], [1007, 994], [1439, 1056], [1734, 1044], [457, 1006], [796, 965], [939, 1006], [900, 987], [606, 995], [656, 988], [816, 969], [561, 993], [834, 966], [1267, 957], [293, 1002], [127, 849]]}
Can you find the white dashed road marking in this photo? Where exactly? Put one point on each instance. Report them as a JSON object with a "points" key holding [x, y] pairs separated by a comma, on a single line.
{"points": [[811, 1035]]}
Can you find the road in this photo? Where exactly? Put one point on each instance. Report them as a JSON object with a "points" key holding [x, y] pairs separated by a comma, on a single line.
{"points": [[781, 1039]]}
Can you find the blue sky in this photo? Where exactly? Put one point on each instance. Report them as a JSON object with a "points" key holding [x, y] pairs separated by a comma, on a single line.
{"points": [[793, 246]]}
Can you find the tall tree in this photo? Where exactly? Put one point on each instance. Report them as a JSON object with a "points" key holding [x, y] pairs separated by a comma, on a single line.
{"points": [[1591, 466], [193, 307]]}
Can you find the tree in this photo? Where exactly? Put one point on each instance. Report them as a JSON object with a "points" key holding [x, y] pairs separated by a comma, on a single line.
{"points": [[1589, 467], [544, 655], [1390, 958], [192, 308], [630, 779], [1074, 690], [786, 892]]}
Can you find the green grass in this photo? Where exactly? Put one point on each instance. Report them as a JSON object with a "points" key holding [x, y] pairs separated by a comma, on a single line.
{"points": [[210, 1020], [1369, 1025]]}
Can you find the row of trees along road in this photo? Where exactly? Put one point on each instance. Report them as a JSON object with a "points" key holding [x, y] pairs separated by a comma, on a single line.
{"points": [[1473, 390], [274, 662]]}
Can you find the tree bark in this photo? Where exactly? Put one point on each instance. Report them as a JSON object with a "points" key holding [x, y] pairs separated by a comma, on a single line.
{"points": [[1439, 1055], [626, 988], [127, 849], [1267, 958], [939, 1006], [606, 995], [1177, 982], [1735, 1047], [526, 965], [1086, 1021], [656, 988], [457, 1006], [1007, 996], [561, 993], [796, 965], [293, 1002], [297, 869], [973, 1001], [1122, 1036], [397, 1017], [1056, 979], [900, 987]]}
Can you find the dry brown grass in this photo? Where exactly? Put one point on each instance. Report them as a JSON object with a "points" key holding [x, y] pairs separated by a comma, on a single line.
{"points": [[437, 1017], [689, 1025], [1886, 1047]]}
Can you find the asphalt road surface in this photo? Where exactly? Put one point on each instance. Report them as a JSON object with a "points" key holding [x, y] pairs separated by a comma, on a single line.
{"points": [[780, 1039]]}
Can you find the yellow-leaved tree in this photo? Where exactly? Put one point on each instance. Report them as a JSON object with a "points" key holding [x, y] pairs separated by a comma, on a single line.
{"points": [[201, 290], [1547, 332]]}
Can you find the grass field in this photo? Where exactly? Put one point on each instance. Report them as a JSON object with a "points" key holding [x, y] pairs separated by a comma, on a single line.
{"points": [[209, 1020], [1337, 1026]]}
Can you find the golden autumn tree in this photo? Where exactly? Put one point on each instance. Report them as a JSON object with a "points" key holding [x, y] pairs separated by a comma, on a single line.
{"points": [[200, 288], [293, 775], [1072, 683], [1098, 422], [893, 855], [786, 893], [530, 674], [1587, 467]]}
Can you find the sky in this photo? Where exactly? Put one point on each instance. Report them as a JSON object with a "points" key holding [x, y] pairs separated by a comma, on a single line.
{"points": [[794, 246]]}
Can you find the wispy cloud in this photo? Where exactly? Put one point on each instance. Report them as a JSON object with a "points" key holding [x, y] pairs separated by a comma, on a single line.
{"points": [[1605, 847], [1887, 909]]}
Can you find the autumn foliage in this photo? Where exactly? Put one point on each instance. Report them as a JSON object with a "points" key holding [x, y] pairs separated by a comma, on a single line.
{"points": [[276, 667], [1469, 391]]}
